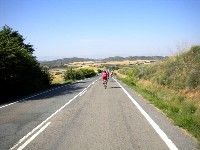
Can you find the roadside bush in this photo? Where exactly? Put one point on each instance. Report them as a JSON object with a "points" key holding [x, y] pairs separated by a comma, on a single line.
{"points": [[79, 75], [87, 73], [99, 70], [72, 74]]}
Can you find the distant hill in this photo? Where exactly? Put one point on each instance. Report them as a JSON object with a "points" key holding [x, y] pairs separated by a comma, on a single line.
{"points": [[62, 62], [118, 58]]}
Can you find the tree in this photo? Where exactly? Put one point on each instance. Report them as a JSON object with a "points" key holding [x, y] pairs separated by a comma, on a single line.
{"points": [[20, 73]]}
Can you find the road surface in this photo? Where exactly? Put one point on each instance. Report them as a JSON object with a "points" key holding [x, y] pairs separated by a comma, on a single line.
{"points": [[85, 116]]}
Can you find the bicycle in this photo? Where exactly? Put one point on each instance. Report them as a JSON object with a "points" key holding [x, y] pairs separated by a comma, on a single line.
{"points": [[105, 83]]}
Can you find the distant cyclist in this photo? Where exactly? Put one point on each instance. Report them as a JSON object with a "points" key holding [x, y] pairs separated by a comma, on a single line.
{"points": [[107, 74], [104, 76], [111, 74]]}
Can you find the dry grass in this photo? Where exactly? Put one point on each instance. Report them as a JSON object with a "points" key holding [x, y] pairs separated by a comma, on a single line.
{"points": [[58, 73], [119, 74], [100, 63], [58, 79]]}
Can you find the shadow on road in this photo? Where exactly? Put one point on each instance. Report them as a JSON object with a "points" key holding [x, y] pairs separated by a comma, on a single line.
{"points": [[115, 87], [55, 92]]}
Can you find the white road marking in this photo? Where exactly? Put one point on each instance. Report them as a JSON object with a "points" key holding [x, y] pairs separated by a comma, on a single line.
{"points": [[89, 85], [83, 93], [37, 94], [164, 137], [36, 128], [8, 104], [33, 137]]}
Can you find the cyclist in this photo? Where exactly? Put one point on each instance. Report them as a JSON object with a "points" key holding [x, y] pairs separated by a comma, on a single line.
{"points": [[111, 74], [107, 74], [104, 76]]}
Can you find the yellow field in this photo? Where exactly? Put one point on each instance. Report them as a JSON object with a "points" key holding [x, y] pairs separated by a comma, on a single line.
{"points": [[95, 65], [99, 63]]}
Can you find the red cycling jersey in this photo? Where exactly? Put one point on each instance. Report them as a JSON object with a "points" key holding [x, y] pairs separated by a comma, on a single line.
{"points": [[104, 76]]}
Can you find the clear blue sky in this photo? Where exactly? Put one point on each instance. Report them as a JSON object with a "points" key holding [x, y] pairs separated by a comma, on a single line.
{"points": [[103, 28]]}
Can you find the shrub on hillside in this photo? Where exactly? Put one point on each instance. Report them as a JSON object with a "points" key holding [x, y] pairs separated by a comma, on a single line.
{"points": [[193, 79]]}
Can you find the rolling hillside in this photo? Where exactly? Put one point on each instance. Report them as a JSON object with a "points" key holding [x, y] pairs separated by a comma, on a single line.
{"points": [[64, 61], [172, 85]]}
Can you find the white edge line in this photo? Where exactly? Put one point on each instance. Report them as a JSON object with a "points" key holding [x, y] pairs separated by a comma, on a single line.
{"points": [[28, 97], [164, 137], [8, 104], [34, 136]]}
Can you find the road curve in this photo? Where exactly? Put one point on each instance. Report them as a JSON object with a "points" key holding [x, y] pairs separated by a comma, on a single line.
{"points": [[84, 116]]}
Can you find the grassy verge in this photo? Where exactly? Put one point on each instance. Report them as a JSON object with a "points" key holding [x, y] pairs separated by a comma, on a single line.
{"points": [[183, 112]]}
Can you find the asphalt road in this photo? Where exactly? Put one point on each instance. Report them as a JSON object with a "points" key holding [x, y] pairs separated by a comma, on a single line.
{"points": [[85, 116]]}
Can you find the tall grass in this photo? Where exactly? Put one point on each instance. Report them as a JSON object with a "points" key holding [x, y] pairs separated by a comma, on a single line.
{"points": [[172, 85], [176, 106]]}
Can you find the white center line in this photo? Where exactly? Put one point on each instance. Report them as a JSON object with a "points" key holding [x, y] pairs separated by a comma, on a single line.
{"points": [[36, 128], [41, 124], [83, 93], [34, 136]]}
